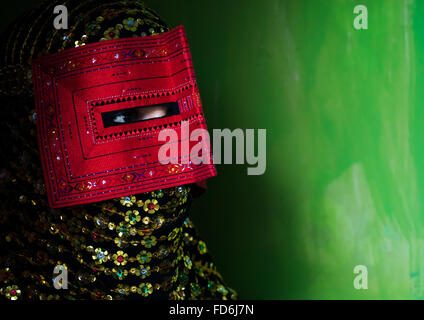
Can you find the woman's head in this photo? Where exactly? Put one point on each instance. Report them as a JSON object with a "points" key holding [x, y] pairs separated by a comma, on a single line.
{"points": [[33, 36]]}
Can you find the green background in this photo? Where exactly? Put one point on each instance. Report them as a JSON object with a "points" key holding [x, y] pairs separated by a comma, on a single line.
{"points": [[343, 110]]}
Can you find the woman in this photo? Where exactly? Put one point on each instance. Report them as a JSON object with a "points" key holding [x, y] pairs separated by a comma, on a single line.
{"points": [[135, 246]]}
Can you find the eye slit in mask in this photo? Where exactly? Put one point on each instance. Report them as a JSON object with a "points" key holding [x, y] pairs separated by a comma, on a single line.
{"points": [[137, 114]]}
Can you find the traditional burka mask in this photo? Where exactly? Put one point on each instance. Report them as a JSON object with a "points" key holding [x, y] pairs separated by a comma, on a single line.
{"points": [[100, 112], [92, 197]]}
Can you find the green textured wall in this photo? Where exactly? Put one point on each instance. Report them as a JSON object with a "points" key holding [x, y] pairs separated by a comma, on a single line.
{"points": [[343, 111]]}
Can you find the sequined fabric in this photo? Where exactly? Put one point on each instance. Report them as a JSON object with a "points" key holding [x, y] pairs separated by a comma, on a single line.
{"points": [[134, 247]]}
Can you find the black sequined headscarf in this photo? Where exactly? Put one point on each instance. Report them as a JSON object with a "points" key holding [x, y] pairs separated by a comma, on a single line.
{"points": [[139, 246]]}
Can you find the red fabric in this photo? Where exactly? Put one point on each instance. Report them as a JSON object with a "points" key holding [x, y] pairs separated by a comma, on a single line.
{"points": [[84, 162]]}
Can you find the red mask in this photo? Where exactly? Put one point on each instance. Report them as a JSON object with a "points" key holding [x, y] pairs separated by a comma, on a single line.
{"points": [[100, 108]]}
